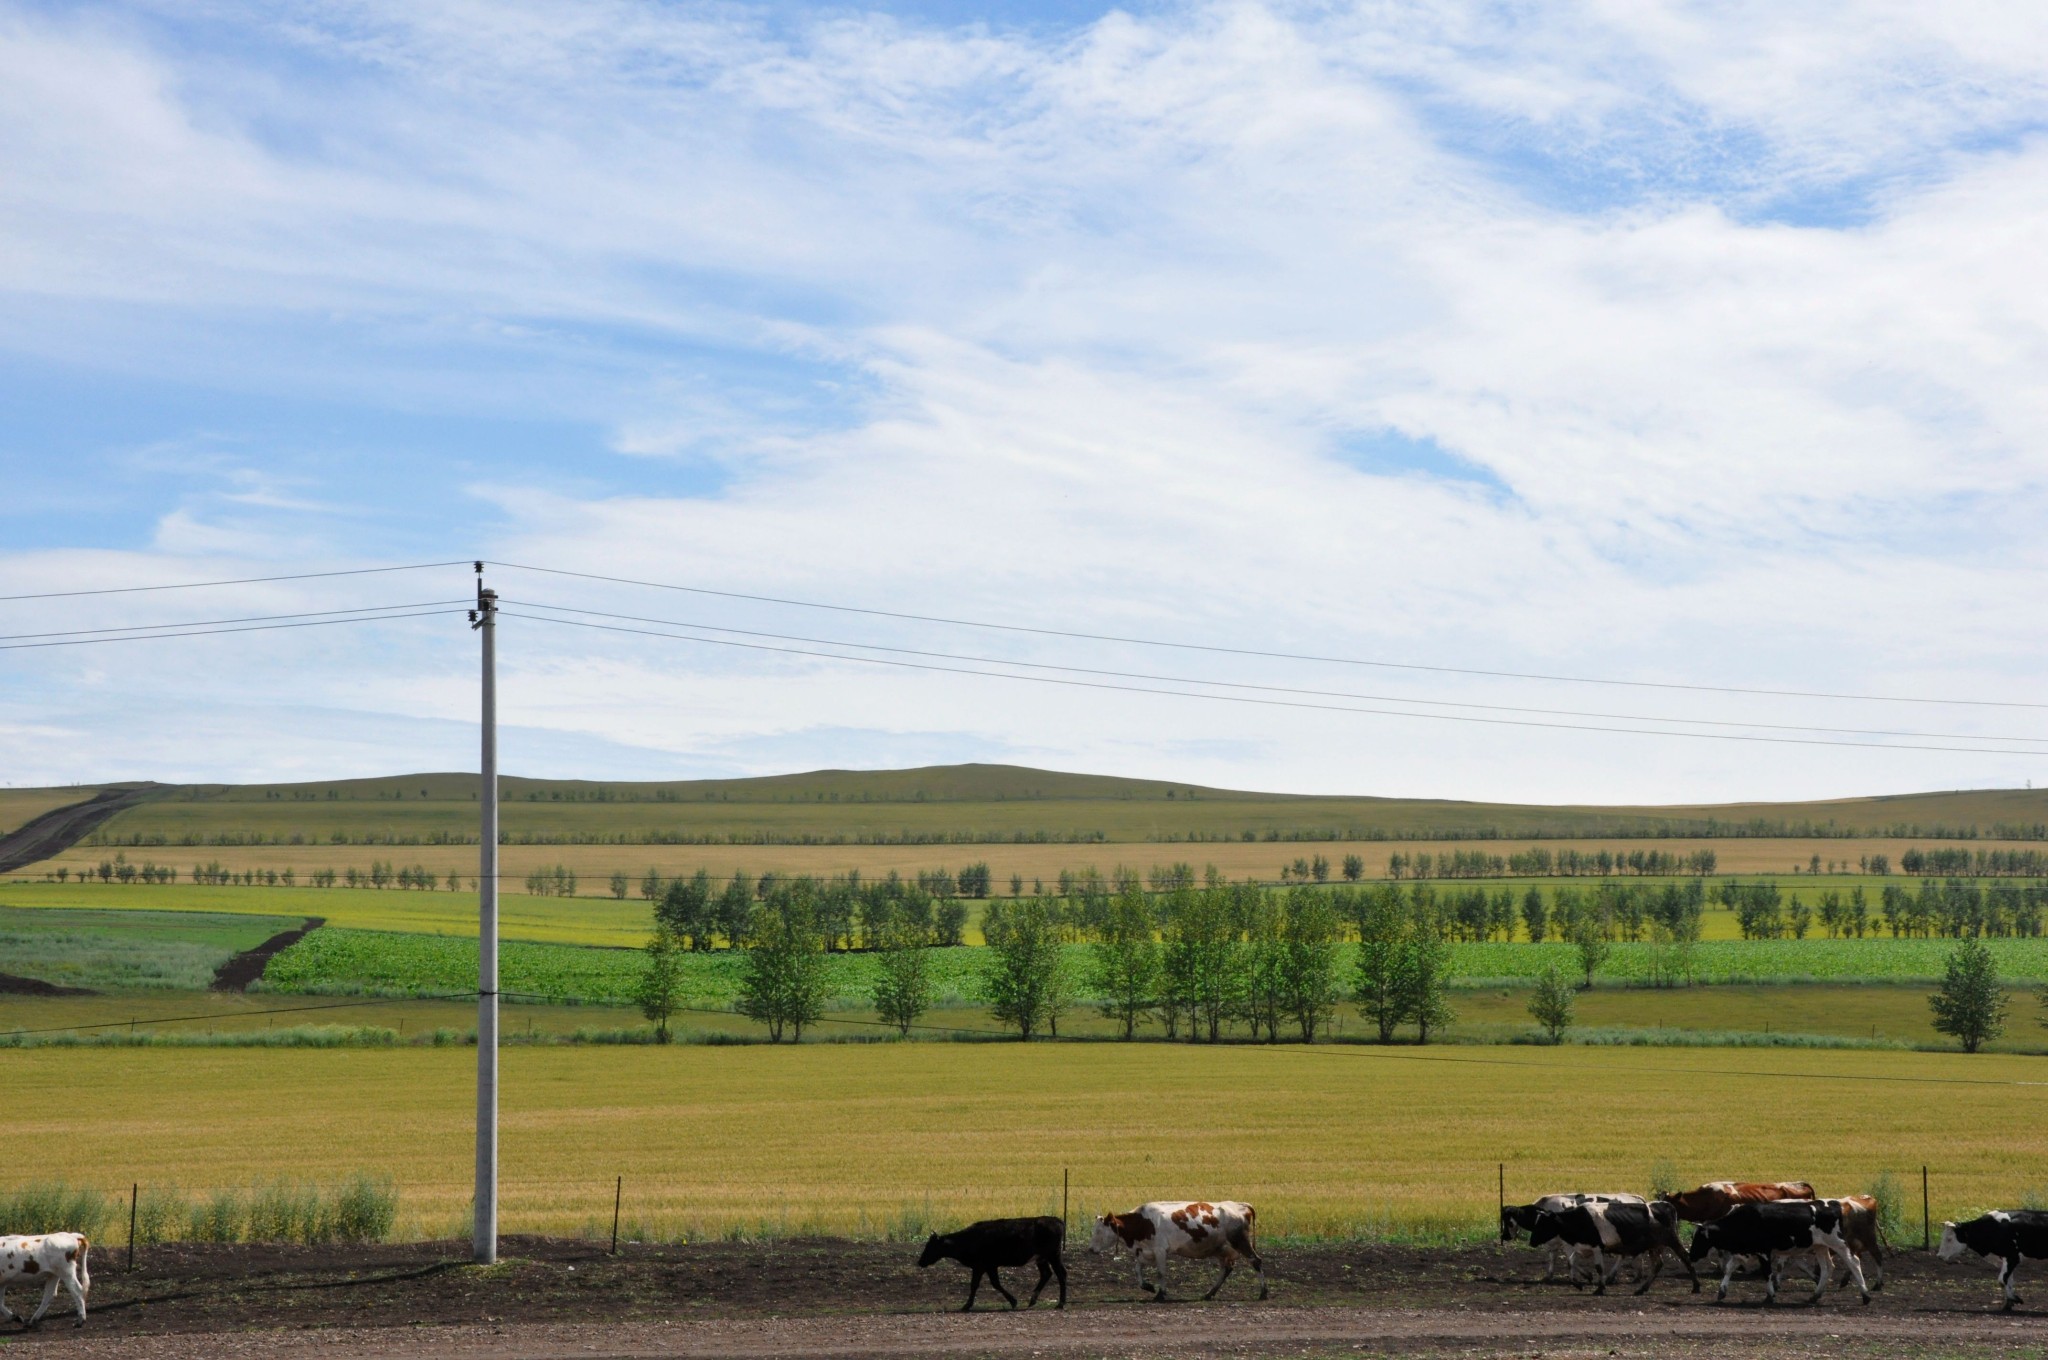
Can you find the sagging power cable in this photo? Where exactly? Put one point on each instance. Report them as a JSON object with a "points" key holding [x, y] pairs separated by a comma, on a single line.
{"points": [[1220, 649], [1285, 689], [1260, 702]]}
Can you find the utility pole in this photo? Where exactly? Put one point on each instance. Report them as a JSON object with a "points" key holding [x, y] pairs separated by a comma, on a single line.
{"points": [[484, 1235]]}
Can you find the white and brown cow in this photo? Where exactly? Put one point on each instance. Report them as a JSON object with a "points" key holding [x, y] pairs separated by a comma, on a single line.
{"points": [[1224, 1230], [49, 1260]]}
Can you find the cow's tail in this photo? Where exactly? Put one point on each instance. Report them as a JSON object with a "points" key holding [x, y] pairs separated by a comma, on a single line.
{"points": [[84, 1270]]}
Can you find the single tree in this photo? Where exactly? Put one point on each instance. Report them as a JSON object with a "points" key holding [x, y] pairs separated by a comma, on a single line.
{"points": [[1023, 954], [1124, 961], [1354, 868], [903, 977], [1428, 981], [620, 884], [1553, 1003], [1534, 919], [1382, 959], [1969, 1006], [782, 980], [659, 991], [1308, 961], [1590, 940]]}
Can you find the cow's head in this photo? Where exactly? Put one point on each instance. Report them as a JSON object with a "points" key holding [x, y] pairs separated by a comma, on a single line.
{"points": [[1545, 1228], [934, 1252], [1516, 1219], [1704, 1239], [1106, 1238]]}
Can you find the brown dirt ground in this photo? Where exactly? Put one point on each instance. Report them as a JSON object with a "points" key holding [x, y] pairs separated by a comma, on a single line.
{"points": [[858, 1299]]}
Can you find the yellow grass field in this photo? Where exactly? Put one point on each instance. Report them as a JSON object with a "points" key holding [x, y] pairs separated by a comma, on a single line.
{"points": [[1262, 860], [1329, 1141]]}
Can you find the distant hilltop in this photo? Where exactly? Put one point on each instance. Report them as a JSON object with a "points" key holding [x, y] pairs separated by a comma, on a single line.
{"points": [[837, 804]]}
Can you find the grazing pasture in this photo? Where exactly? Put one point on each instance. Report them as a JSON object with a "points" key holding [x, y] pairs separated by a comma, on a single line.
{"points": [[126, 949], [897, 1139]]}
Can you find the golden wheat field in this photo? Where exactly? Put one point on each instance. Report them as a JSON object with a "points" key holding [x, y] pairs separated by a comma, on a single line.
{"points": [[878, 1138]]}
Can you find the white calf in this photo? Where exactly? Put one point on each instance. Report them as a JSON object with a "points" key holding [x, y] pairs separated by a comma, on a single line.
{"points": [[1195, 1229], [50, 1260]]}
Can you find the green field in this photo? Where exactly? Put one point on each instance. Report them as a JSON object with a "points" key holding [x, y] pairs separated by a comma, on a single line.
{"points": [[1332, 1141], [129, 949]]}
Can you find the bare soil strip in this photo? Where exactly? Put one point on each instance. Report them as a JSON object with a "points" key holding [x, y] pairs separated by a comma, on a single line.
{"points": [[244, 968], [10, 985], [862, 1299]]}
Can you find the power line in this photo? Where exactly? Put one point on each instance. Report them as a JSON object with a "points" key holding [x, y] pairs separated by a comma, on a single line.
{"points": [[213, 632], [1284, 689], [146, 628], [1267, 654], [1265, 703], [240, 581]]}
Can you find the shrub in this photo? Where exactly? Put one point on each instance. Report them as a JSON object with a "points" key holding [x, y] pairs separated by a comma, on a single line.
{"points": [[56, 1207]]}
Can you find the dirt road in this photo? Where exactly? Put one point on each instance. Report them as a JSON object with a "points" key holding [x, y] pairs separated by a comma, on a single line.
{"points": [[855, 1300], [61, 828]]}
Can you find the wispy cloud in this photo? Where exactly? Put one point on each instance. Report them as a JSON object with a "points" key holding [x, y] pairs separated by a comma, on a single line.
{"points": [[1662, 340]]}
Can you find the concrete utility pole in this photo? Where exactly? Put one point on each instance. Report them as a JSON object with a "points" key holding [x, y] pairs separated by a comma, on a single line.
{"points": [[484, 1236]]}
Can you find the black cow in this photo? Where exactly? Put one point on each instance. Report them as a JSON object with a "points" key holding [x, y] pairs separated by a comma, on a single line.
{"points": [[1618, 1230], [2007, 1236], [985, 1246], [1774, 1229]]}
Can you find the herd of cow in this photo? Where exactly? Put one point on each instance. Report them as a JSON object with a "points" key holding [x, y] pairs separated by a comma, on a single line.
{"points": [[1591, 1237]]}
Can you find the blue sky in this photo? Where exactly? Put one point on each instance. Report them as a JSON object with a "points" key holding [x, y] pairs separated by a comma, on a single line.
{"points": [[1668, 342]]}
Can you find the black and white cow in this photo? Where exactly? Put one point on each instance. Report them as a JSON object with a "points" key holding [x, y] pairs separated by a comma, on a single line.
{"points": [[1781, 1229], [1621, 1230], [50, 1260], [1516, 1219], [2003, 1236]]}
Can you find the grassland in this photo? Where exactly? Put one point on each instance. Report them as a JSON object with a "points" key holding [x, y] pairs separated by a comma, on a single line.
{"points": [[1338, 1141], [18, 806], [127, 949], [1046, 819]]}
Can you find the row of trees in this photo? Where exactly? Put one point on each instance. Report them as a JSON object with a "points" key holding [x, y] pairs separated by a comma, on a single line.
{"points": [[1952, 908], [1197, 963], [1543, 862]]}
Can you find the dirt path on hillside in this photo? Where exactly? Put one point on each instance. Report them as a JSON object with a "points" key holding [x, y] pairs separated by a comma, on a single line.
{"points": [[61, 828], [861, 1299], [244, 968]]}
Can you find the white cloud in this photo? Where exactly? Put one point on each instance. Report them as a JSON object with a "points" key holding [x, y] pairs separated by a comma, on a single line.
{"points": [[1098, 305]]}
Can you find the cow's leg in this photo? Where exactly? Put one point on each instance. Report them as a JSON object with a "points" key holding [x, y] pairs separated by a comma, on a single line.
{"points": [[1876, 1274], [1228, 1264], [1158, 1270], [1727, 1273], [1772, 1268], [2006, 1270], [71, 1287], [1059, 1268], [973, 1288], [995, 1277], [35, 1319], [1656, 1269], [6, 1313], [1853, 1268], [1243, 1244], [1044, 1274], [1599, 1271], [1826, 1262]]}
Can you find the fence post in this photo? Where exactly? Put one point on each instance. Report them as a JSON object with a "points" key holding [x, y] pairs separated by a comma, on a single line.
{"points": [[1066, 1221], [618, 1198], [1926, 1222], [134, 1195], [1502, 1191]]}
